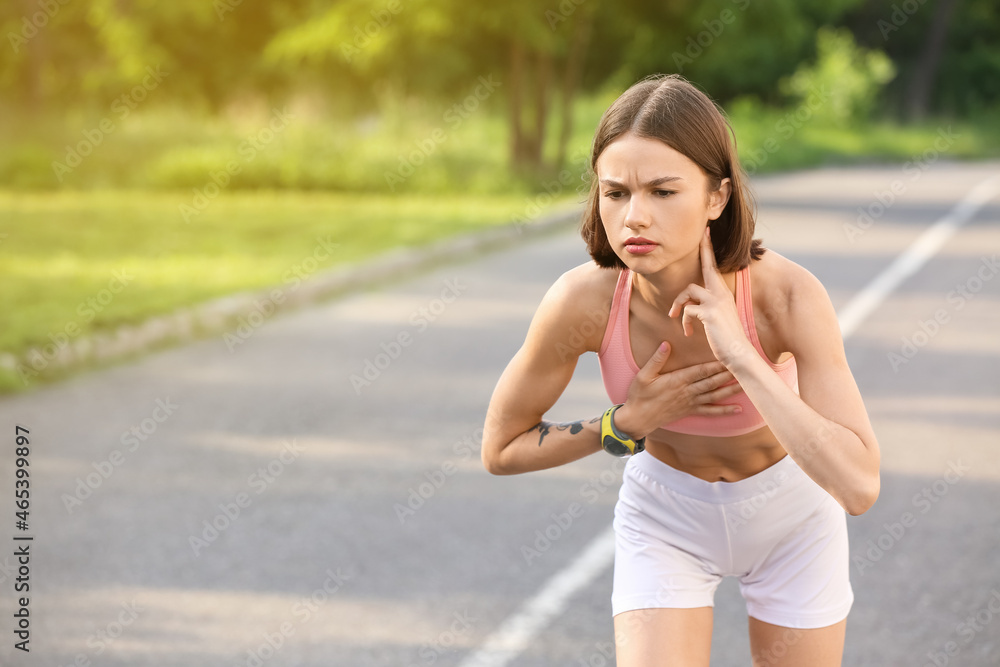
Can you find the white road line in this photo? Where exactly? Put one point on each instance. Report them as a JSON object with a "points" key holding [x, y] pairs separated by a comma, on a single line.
{"points": [[511, 638], [518, 630], [921, 250]]}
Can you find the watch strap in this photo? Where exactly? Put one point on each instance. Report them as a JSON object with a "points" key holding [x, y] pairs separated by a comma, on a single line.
{"points": [[614, 441]]}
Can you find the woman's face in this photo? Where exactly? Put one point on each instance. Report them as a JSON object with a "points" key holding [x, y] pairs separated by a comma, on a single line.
{"points": [[654, 202]]}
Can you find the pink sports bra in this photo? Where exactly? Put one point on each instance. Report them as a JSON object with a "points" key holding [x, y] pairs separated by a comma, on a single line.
{"points": [[618, 367]]}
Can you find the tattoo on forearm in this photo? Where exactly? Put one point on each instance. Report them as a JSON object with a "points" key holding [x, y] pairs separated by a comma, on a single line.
{"points": [[543, 427]]}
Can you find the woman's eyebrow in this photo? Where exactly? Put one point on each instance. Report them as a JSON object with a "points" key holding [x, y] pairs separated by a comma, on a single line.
{"points": [[656, 181], [663, 179]]}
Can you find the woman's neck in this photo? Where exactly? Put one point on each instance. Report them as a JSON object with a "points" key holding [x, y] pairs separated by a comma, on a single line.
{"points": [[660, 289]]}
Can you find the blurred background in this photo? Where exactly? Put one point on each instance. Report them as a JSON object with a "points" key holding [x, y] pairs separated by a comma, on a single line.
{"points": [[180, 171], [201, 147]]}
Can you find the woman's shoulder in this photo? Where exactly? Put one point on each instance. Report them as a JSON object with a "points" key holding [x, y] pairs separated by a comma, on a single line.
{"points": [[579, 302], [779, 286], [775, 275], [589, 285], [589, 276]]}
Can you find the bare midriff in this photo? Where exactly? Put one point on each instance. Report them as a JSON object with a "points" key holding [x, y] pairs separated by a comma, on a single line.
{"points": [[724, 459]]}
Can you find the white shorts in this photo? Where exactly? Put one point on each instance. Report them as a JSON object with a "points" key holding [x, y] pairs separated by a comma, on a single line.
{"points": [[676, 536]]}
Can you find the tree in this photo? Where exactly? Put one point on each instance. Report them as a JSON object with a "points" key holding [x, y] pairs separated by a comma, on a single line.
{"points": [[924, 74], [436, 47]]}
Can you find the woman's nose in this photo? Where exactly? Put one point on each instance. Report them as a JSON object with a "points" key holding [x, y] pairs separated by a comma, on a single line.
{"points": [[636, 212]]}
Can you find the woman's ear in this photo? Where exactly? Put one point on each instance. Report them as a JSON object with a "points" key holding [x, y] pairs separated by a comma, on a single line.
{"points": [[717, 199]]}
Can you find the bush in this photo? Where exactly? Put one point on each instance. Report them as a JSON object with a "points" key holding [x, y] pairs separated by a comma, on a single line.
{"points": [[849, 76]]}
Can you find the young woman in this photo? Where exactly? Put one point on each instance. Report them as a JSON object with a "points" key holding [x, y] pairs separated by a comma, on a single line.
{"points": [[749, 434]]}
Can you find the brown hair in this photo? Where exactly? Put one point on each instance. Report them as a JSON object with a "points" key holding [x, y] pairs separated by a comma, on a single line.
{"points": [[671, 109]]}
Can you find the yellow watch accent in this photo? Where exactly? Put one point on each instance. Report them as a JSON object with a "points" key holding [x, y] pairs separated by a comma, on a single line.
{"points": [[613, 441]]}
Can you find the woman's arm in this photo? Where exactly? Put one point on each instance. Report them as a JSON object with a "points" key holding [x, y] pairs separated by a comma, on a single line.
{"points": [[825, 428], [515, 437]]}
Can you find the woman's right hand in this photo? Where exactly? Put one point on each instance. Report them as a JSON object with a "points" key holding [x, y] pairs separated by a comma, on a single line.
{"points": [[655, 397]]}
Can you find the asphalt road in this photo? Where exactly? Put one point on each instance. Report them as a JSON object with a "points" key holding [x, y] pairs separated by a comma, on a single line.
{"points": [[314, 496]]}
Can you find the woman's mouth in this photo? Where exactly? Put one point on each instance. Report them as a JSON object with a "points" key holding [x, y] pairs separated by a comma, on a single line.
{"points": [[638, 245]]}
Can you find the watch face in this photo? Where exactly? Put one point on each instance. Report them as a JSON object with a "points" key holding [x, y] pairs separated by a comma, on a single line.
{"points": [[616, 447]]}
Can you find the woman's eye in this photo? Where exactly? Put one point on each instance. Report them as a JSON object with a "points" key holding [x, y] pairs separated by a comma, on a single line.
{"points": [[664, 193], [614, 194]]}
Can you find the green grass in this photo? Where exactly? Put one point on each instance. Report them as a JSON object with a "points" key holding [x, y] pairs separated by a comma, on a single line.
{"points": [[60, 243], [62, 249]]}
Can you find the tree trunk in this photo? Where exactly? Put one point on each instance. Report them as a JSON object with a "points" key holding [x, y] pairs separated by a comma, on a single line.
{"points": [[922, 82], [514, 91], [543, 76], [35, 56], [571, 78], [528, 102]]}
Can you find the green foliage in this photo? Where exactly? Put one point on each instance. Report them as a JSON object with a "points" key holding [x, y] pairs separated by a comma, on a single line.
{"points": [[780, 139], [419, 147], [373, 80], [411, 150], [729, 47], [846, 76], [970, 79], [68, 54]]}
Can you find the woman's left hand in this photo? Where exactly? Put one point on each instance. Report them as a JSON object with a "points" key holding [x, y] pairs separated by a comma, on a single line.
{"points": [[715, 306]]}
